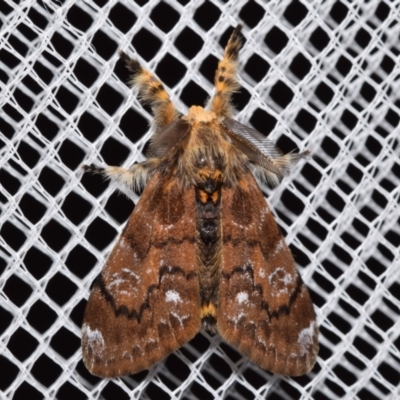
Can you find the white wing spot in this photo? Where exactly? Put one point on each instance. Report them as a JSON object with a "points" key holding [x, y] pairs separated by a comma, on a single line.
{"points": [[242, 297], [172, 296], [279, 247], [94, 339], [305, 339]]}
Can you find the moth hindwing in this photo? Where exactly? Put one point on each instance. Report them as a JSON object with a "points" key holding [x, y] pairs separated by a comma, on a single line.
{"points": [[201, 248]]}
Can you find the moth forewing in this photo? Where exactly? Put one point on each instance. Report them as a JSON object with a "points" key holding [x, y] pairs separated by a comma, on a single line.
{"points": [[146, 302], [264, 308], [201, 247]]}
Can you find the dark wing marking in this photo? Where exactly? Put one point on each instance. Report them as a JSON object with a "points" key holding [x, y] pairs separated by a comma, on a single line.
{"points": [[146, 303], [264, 308]]}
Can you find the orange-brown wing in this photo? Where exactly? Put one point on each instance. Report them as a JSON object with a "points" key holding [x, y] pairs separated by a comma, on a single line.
{"points": [[145, 303], [264, 309]]}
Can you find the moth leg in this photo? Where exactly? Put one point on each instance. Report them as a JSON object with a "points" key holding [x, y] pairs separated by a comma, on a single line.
{"points": [[133, 178], [151, 91], [226, 82]]}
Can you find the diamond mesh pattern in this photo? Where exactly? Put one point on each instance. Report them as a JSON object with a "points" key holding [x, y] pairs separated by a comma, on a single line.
{"points": [[318, 75]]}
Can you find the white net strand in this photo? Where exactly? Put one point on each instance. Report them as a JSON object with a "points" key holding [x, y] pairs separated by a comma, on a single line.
{"points": [[318, 75]]}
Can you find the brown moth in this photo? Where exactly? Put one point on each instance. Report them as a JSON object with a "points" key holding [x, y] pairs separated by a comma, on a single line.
{"points": [[201, 248]]}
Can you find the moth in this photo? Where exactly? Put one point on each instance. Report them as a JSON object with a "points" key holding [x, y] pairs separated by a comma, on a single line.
{"points": [[201, 248]]}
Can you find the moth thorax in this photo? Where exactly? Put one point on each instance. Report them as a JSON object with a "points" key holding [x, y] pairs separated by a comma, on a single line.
{"points": [[198, 114]]}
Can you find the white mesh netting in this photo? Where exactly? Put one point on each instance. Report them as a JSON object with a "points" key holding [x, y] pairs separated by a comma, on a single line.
{"points": [[318, 75]]}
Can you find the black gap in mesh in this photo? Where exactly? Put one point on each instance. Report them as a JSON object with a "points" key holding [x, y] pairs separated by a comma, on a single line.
{"points": [[79, 18], [17, 290], [24, 101], [80, 261], [341, 324], [300, 66], [76, 208], [146, 44], [38, 19], [90, 126], [45, 74], [301, 258], [112, 391], [319, 39], [12, 112], [357, 294], [37, 262], [22, 344], [12, 235], [76, 316], [65, 343], [337, 389], [389, 373], [67, 391], [256, 67], [382, 321], [375, 266], [189, 43], [119, 207], [86, 73], [290, 390], [208, 67], [276, 40], [164, 16], [63, 46], [281, 94], [295, 12], [330, 147], [365, 348], [207, 15], [68, 100], [240, 99], [393, 237], [367, 279], [193, 94], [41, 317], [28, 154], [104, 45], [32, 209], [170, 70], [32, 84], [109, 99], [71, 154], [155, 392], [58, 281], [323, 282], [242, 390], [177, 367], [94, 183], [199, 392], [306, 121], [6, 129], [9, 373], [133, 125], [324, 352], [100, 234], [114, 152], [55, 235], [47, 127], [46, 371], [122, 17], [339, 11], [19, 46], [262, 121], [363, 38], [8, 58], [251, 13], [350, 240], [26, 391]]}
